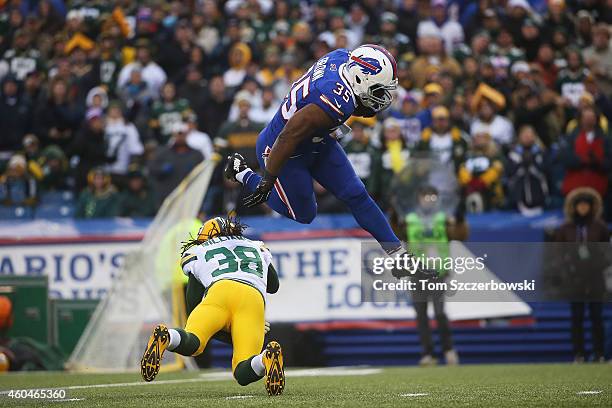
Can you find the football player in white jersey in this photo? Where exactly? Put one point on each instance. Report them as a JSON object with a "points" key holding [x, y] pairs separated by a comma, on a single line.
{"points": [[229, 277]]}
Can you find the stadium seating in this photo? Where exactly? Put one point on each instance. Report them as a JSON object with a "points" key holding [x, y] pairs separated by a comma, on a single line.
{"points": [[544, 339], [57, 197], [55, 204], [54, 210], [16, 213]]}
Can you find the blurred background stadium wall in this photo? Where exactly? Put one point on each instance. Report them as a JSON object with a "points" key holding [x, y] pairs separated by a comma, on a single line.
{"points": [[503, 106]]}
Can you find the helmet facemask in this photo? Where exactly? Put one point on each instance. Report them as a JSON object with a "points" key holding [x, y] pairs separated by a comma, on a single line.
{"points": [[378, 96]]}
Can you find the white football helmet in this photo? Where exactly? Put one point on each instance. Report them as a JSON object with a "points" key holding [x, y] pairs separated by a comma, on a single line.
{"points": [[372, 73]]}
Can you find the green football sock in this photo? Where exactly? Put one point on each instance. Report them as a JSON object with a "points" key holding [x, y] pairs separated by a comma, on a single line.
{"points": [[189, 343], [244, 373]]}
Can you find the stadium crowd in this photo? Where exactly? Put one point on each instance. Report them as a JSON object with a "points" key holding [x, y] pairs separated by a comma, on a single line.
{"points": [[118, 101]]}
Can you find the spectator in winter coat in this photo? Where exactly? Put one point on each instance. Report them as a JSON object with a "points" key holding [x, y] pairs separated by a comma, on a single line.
{"points": [[526, 173], [407, 115], [583, 265], [152, 74], [14, 114], [536, 109], [167, 112], [54, 169], [586, 155], [197, 140], [172, 163], [433, 57], [264, 112], [136, 96], [394, 158], [447, 143], [239, 58], [598, 57], [194, 90], [240, 135], [122, 142], [587, 99], [137, 200], [446, 147], [99, 199], [486, 103], [217, 106], [90, 146], [480, 175], [58, 119], [176, 54], [17, 186], [32, 153], [449, 30]]}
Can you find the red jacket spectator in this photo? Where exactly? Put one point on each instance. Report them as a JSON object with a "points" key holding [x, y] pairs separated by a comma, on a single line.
{"points": [[586, 155]]}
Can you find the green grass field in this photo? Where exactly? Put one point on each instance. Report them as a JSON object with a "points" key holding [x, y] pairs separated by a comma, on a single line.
{"points": [[551, 385]]}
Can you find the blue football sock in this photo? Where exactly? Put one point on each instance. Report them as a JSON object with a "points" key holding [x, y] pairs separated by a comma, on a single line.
{"points": [[251, 180], [371, 218]]}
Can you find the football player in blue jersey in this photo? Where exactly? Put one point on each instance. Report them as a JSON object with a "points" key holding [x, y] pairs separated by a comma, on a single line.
{"points": [[300, 143]]}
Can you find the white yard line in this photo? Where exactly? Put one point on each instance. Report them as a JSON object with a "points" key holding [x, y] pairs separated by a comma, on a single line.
{"points": [[239, 397], [588, 392], [304, 372], [333, 371], [417, 394], [130, 384], [67, 399], [227, 375]]}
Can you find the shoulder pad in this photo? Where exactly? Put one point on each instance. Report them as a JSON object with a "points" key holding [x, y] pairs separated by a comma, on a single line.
{"points": [[188, 258]]}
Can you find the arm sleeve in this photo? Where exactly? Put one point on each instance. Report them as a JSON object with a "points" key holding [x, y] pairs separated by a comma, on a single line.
{"points": [[273, 282]]}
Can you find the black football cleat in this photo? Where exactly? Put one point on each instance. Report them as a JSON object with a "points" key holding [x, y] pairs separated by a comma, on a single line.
{"points": [[151, 359], [275, 371], [235, 164]]}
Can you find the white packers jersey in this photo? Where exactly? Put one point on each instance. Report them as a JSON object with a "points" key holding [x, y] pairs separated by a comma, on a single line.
{"points": [[236, 258]]}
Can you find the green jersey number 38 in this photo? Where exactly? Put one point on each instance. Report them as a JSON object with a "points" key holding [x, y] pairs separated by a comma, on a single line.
{"points": [[243, 258]]}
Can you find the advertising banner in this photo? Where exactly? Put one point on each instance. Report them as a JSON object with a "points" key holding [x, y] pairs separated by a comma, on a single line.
{"points": [[320, 278]]}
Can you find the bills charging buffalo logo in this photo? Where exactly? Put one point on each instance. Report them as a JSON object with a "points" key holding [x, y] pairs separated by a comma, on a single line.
{"points": [[367, 65]]}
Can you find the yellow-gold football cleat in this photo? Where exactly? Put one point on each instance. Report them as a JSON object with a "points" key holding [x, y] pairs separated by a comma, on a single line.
{"points": [[275, 372], [151, 359]]}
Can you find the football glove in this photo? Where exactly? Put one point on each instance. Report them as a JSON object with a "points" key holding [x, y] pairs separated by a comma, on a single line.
{"points": [[266, 327], [262, 191], [412, 271]]}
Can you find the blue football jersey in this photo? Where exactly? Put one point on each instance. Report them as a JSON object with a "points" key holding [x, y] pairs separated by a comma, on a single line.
{"points": [[323, 85]]}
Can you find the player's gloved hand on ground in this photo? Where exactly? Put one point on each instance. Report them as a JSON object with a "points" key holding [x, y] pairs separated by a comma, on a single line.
{"points": [[266, 327], [262, 192]]}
